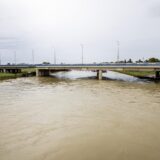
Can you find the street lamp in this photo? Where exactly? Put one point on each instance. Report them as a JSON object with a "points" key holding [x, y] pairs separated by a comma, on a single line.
{"points": [[82, 46], [118, 44], [54, 52], [15, 57], [0, 59], [33, 56]]}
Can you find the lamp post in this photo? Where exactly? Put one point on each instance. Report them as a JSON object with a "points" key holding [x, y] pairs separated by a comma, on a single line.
{"points": [[54, 52], [118, 44], [82, 46], [0, 59], [33, 56], [15, 57]]}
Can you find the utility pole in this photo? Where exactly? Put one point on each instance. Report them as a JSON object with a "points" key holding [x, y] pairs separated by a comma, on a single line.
{"points": [[54, 52], [0, 59], [15, 57], [33, 56], [143, 59], [118, 44], [82, 46]]}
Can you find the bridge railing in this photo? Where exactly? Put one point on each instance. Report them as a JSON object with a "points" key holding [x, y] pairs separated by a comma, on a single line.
{"points": [[87, 64], [106, 64]]}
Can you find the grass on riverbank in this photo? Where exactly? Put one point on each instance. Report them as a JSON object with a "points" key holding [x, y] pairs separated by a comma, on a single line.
{"points": [[24, 73], [138, 73], [9, 75], [28, 70]]}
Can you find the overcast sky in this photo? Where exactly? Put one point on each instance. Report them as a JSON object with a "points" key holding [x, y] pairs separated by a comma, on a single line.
{"points": [[65, 24]]}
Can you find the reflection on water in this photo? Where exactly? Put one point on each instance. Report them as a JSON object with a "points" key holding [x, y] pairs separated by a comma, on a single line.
{"points": [[68, 117]]}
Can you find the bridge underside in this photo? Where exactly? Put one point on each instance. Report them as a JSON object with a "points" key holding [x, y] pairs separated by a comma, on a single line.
{"points": [[47, 72], [40, 72], [48, 69], [157, 74], [10, 70]]}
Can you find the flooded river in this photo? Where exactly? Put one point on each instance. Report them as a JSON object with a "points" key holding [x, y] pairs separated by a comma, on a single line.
{"points": [[73, 117]]}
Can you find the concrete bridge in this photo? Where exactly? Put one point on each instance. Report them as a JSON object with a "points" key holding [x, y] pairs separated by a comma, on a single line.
{"points": [[46, 70]]}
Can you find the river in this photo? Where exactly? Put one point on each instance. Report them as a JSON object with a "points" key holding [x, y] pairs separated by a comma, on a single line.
{"points": [[73, 116]]}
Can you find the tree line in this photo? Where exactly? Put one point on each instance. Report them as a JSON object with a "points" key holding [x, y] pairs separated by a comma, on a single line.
{"points": [[150, 60]]}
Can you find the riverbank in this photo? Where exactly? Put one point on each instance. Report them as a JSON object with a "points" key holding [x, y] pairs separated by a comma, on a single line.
{"points": [[139, 74], [25, 73], [7, 75]]}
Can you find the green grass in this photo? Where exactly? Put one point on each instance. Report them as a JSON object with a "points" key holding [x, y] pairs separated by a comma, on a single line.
{"points": [[28, 70], [138, 73], [16, 75], [9, 75]]}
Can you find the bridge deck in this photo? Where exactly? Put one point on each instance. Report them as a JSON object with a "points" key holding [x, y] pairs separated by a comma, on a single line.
{"points": [[107, 66], [137, 67], [44, 70]]}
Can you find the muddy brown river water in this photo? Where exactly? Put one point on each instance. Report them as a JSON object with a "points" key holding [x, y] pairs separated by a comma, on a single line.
{"points": [[79, 119]]}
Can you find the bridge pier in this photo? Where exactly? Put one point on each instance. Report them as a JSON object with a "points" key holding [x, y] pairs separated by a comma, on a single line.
{"points": [[157, 74], [17, 71], [11, 71], [99, 74], [41, 73]]}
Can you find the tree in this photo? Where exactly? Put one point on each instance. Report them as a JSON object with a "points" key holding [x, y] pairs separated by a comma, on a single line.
{"points": [[153, 60], [139, 61], [130, 61], [46, 63]]}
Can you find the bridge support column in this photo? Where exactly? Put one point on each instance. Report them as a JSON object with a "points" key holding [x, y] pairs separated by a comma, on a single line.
{"points": [[37, 72], [16, 71], [4, 70], [19, 70], [41, 73], [157, 74], [11, 70], [99, 74]]}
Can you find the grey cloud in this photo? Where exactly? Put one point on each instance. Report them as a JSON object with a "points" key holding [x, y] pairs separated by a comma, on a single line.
{"points": [[39, 25], [10, 42], [155, 10], [7, 38]]}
